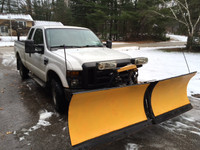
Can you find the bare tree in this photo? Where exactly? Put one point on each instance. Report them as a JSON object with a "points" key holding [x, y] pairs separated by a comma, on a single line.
{"points": [[2, 5], [29, 7], [178, 8]]}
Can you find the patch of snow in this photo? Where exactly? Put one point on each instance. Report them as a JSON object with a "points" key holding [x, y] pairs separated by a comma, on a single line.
{"points": [[6, 41], [64, 128], [132, 146], [128, 48], [11, 38], [28, 87], [16, 17], [21, 138], [179, 127], [8, 59], [198, 133], [188, 119], [6, 44], [44, 115], [47, 23], [180, 38], [26, 133]]}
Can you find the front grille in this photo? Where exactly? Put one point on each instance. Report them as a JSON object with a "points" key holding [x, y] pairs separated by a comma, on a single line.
{"points": [[94, 78]]}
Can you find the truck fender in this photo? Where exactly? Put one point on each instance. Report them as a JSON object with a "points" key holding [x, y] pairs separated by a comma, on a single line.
{"points": [[60, 74]]}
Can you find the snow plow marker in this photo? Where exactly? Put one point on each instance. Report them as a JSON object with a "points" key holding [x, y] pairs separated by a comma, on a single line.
{"points": [[108, 114]]}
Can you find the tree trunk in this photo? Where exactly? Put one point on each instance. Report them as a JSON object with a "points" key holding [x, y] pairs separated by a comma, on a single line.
{"points": [[9, 7], [2, 5], [189, 42]]}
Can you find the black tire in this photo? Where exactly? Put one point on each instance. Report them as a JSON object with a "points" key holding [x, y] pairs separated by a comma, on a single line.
{"points": [[23, 71], [58, 96]]}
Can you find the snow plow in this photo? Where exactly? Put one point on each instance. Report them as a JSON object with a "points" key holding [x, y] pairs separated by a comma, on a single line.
{"points": [[108, 114]]}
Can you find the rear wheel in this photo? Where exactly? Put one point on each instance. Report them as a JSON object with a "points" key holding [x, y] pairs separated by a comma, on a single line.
{"points": [[23, 71], [59, 98]]}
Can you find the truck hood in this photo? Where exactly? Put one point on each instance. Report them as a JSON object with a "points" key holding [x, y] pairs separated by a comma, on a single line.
{"points": [[77, 57]]}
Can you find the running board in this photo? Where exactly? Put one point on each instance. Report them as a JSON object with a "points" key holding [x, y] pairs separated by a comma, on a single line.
{"points": [[39, 81]]}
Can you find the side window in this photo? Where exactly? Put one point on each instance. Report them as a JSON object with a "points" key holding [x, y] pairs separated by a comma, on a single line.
{"points": [[38, 37], [30, 34]]}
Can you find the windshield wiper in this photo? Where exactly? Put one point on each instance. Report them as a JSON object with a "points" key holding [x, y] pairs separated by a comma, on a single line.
{"points": [[64, 46]]}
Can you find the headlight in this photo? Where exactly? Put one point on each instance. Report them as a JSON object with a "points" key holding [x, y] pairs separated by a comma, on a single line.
{"points": [[140, 60], [107, 65]]}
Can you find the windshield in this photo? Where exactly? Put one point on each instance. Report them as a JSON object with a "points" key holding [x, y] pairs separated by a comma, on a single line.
{"points": [[71, 38]]}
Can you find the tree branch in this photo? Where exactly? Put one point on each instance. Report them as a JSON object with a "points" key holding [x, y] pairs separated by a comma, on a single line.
{"points": [[189, 16], [183, 14], [196, 22], [166, 16]]}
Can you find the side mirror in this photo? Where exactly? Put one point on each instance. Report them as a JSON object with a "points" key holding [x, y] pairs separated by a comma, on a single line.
{"points": [[109, 44], [29, 46], [39, 48]]}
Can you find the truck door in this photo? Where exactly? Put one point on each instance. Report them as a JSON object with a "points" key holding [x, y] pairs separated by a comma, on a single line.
{"points": [[36, 60]]}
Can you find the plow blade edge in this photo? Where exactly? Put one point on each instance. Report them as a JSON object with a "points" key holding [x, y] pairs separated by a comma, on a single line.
{"points": [[107, 114]]}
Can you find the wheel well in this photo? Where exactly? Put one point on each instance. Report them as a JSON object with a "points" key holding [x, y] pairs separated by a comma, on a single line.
{"points": [[52, 75]]}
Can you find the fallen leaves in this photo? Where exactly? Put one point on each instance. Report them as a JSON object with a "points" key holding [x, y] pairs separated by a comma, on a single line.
{"points": [[3, 90], [9, 132], [1, 108]]}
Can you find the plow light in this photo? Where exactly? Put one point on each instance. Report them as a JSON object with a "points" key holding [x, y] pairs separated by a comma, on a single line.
{"points": [[141, 60], [107, 65]]}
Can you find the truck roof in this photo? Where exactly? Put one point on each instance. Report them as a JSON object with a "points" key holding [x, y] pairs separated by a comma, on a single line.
{"points": [[67, 27]]}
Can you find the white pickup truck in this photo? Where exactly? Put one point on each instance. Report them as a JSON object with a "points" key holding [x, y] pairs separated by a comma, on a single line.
{"points": [[68, 59]]}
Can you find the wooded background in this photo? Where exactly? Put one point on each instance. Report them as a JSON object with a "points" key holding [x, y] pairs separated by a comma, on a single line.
{"points": [[127, 20]]}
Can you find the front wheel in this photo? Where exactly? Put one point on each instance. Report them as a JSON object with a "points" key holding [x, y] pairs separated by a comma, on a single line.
{"points": [[59, 98]]}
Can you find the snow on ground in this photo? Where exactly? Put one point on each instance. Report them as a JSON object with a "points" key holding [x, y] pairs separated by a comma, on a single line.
{"points": [[9, 41], [132, 146], [180, 38], [44, 116], [8, 59], [6, 44], [164, 65]]}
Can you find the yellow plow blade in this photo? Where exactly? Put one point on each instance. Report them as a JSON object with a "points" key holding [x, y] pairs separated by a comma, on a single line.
{"points": [[169, 97], [97, 113], [103, 115]]}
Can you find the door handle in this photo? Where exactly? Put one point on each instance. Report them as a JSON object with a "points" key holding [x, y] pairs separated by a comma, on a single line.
{"points": [[46, 60]]}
